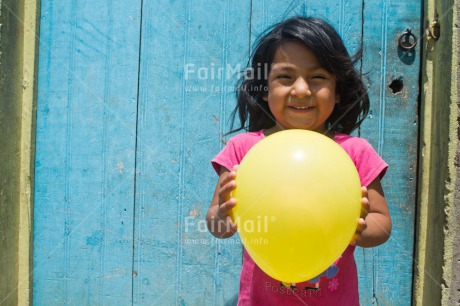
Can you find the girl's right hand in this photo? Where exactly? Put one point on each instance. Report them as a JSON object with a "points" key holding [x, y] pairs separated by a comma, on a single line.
{"points": [[218, 217], [226, 202]]}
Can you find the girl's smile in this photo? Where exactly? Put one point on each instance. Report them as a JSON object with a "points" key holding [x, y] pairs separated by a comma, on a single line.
{"points": [[301, 94]]}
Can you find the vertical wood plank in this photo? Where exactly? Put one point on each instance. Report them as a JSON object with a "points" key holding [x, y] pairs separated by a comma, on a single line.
{"points": [[84, 192], [392, 128], [189, 62]]}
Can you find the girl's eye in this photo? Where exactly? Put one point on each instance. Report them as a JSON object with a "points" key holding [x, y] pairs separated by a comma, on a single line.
{"points": [[322, 77], [283, 76]]}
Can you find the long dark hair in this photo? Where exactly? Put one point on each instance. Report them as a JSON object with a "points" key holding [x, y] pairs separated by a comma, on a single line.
{"points": [[321, 38]]}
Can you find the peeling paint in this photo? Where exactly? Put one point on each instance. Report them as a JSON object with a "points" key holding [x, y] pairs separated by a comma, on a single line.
{"points": [[120, 166]]}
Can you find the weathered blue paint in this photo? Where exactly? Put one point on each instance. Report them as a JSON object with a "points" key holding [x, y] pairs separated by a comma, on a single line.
{"points": [[132, 105], [84, 179], [386, 271], [345, 16], [186, 94]]}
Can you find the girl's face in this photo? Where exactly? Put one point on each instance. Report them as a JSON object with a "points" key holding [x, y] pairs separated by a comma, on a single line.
{"points": [[301, 94]]}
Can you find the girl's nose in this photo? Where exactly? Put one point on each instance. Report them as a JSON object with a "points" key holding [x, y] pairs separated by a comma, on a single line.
{"points": [[300, 88]]}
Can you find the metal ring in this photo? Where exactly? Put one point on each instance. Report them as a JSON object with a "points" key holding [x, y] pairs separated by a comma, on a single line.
{"points": [[406, 44]]}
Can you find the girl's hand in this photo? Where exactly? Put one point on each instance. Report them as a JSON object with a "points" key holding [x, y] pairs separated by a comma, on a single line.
{"points": [[362, 225], [374, 224], [218, 217], [226, 202]]}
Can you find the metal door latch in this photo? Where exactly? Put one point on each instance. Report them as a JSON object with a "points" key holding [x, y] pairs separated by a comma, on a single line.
{"points": [[407, 44]]}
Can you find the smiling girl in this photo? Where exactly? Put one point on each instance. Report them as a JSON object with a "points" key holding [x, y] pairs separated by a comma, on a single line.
{"points": [[312, 84]]}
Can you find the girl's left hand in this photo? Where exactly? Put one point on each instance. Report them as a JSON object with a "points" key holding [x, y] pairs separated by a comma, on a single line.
{"points": [[362, 225]]}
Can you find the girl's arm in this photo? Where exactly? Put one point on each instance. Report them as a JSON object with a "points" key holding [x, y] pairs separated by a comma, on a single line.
{"points": [[218, 217], [374, 226]]}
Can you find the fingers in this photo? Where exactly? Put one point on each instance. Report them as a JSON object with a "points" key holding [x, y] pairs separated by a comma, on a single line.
{"points": [[223, 214], [365, 207], [227, 185], [233, 227], [226, 190], [226, 202], [226, 207], [228, 178], [362, 225], [364, 191]]}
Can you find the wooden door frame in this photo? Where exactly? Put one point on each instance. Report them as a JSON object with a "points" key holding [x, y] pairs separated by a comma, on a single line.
{"points": [[436, 279], [18, 92]]}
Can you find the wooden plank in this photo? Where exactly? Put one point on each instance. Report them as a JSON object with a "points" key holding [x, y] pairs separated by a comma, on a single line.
{"points": [[84, 190], [184, 107], [13, 114], [392, 128]]}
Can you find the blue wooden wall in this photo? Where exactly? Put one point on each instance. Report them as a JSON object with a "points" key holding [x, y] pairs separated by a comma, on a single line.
{"points": [[385, 272], [134, 97], [86, 151]]}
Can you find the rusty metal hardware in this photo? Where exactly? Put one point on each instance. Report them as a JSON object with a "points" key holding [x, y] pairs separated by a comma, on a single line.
{"points": [[434, 29], [406, 44]]}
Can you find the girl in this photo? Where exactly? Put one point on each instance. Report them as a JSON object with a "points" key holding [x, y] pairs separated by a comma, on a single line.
{"points": [[303, 78]]}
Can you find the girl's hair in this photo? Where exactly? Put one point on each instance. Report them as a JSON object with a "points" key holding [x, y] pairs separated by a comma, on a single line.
{"points": [[320, 38]]}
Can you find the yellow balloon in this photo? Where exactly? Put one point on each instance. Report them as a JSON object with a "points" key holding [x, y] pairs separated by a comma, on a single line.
{"points": [[298, 202]]}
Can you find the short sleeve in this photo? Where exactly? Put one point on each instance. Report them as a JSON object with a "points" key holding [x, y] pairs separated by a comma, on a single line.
{"points": [[227, 157], [237, 147], [368, 163]]}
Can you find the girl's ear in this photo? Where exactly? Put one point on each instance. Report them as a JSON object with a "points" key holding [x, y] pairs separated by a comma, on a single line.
{"points": [[337, 99]]}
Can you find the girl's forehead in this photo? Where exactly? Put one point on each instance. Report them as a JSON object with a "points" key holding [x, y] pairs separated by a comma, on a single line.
{"points": [[294, 54]]}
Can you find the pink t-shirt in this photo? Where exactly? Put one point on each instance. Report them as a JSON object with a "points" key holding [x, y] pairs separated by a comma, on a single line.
{"points": [[338, 285]]}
